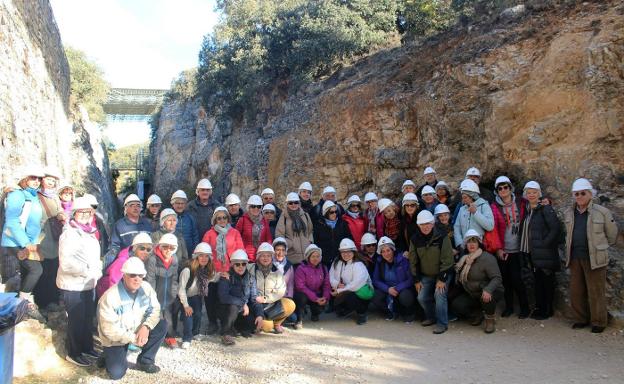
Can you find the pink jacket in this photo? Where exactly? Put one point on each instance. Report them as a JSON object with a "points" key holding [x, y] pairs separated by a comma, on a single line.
{"points": [[113, 273], [233, 241]]}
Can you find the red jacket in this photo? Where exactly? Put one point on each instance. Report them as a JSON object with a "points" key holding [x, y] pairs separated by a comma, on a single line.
{"points": [[245, 227], [233, 242], [499, 217], [358, 227]]}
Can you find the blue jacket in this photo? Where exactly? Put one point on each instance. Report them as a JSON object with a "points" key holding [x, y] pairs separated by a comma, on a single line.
{"points": [[402, 270], [124, 231], [18, 231], [240, 290], [188, 228]]}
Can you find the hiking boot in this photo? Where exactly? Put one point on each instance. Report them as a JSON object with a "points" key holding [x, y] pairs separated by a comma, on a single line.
{"points": [[361, 319], [439, 329], [597, 329], [78, 360], [227, 340], [148, 368], [427, 322], [490, 324], [477, 320]]}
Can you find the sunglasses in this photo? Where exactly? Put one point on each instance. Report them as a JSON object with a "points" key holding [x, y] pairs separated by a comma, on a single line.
{"points": [[134, 275], [142, 248], [167, 247], [34, 178], [411, 205], [581, 193], [331, 212], [503, 187], [255, 206], [240, 264], [293, 203], [156, 205], [221, 218]]}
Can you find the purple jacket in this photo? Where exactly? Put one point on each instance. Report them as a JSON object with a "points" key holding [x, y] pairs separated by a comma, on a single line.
{"points": [[313, 281], [403, 274]]}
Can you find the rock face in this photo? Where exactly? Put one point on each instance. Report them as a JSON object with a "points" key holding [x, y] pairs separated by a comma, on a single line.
{"points": [[36, 124], [539, 97]]}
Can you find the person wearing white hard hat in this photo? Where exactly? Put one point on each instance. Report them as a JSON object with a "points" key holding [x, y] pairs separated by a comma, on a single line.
{"points": [[355, 219], [428, 198], [312, 285], [474, 213], [305, 195], [239, 309], [152, 213], [329, 229], [475, 175], [268, 197], [203, 206], [271, 288], [394, 284], [20, 234], [224, 241], [431, 261], [127, 227], [444, 196], [296, 227], [371, 212], [389, 224], [268, 212], [540, 233], [233, 205], [409, 211], [186, 222], [368, 251], [120, 325], [168, 223], [352, 289], [98, 222], [509, 212], [442, 215], [141, 247], [253, 227], [162, 274], [478, 274], [79, 270], [430, 180], [590, 231], [408, 187], [329, 194], [66, 195]]}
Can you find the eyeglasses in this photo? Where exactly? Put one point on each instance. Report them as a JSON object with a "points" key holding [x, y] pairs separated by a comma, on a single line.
{"points": [[83, 212], [135, 275], [155, 205], [34, 178], [240, 264], [167, 247], [143, 248], [581, 193], [255, 206], [293, 203], [134, 205], [503, 187], [332, 212], [411, 205], [219, 218]]}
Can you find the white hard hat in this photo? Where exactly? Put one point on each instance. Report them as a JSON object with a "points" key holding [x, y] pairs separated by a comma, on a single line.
{"points": [[441, 184], [131, 198], [532, 185], [269, 207], [32, 170], [472, 171], [472, 233], [441, 208], [582, 184], [370, 196], [409, 197], [429, 170], [354, 199], [311, 249], [141, 238], [292, 196], [216, 211], [327, 205], [329, 189], [239, 255], [254, 200], [154, 199], [204, 184], [280, 241], [165, 213], [81, 203], [469, 186], [427, 190], [65, 184], [169, 238], [134, 266], [52, 171], [368, 238], [265, 247], [408, 183], [91, 198], [179, 194], [347, 245], [203, 248], [305, 185], [502, 180], [424, 217], [384, 203], [267, 191], [387, 242], [232, 199]]}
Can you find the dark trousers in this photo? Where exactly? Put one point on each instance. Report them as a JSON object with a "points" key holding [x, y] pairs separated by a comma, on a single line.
{"points": [[512, 281], [404, 303], [9, 268], [30, 271], [545, 284], [301, 300], [115, 357], [588, 293], [466, 306], [192, 323], [80, 307], [46, 292], [212, 303], [348, 301], [232, 319]]}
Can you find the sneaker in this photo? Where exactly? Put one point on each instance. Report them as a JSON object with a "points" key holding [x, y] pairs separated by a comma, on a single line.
{"points": [[314, 317], [298, 325], [148, 368], [186, 344], [227, 340], [439, 329], [78, 360], [278, 329], [171, 342], [199, 337], [91, 354], [361, 319], [427, 322]]}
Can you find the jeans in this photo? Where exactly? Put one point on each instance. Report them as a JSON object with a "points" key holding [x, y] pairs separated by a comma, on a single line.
{"points": [[403, 303], [80, 307], [434, 303], [192, 323], [115, 357]]}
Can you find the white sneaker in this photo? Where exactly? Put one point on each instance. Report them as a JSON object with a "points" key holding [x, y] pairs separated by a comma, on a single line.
{"points": [[186, 345]]}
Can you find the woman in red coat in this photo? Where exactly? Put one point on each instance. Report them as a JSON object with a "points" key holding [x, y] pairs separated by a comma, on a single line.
{"points": [[358, 224], [254, 228]]}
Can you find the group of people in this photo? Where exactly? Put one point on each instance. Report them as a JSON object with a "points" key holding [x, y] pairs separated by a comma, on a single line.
{"points": [[431, 255]]}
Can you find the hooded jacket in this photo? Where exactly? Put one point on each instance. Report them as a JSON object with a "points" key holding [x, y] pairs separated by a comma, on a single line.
{"points": [[481, 221], [313, 281], [401, 266], [79, 260]]}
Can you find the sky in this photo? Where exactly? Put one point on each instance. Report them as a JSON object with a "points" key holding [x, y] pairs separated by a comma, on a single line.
{"points": [[137, 43]]}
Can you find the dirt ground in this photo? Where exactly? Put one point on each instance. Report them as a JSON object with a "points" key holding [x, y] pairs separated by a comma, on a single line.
{"points": [[338, 351]]}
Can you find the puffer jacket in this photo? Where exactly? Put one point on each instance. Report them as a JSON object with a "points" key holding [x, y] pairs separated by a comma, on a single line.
{"points": [[297, 242], [272, 287], [431, 256], [120, 315], [187, 227], [352, 274], [328, 238], [481, 221], [245, 227], [21, 231], [79, 260], [202, 214], [313, 281], [357, 227], [499, 215], [544, 231], [240, 290], [484, 275], [163, 279], [113, 273], [233, 241], [182, 251], [402, 271]]}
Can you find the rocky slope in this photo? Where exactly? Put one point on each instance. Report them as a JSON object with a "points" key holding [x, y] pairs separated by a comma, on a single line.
{"points": [[537, 95]]}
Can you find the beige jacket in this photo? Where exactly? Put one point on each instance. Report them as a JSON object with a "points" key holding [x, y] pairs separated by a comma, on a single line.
{"points": [[601, 233], [273, 287], [297, 243]]}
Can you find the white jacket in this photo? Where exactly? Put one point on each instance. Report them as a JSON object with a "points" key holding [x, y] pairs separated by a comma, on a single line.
{"points": [[353, 275], [120, 315], [79, 260]]}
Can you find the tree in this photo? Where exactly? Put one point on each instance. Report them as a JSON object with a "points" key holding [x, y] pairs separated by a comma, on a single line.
{"points": [[88, 87]]}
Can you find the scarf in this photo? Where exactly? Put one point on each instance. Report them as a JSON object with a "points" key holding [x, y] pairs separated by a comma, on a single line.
{"points": [[524, 235], [264, 269], [307, 205], [280, 265], [67, 207], [354, 215], [49, 193], [510, 213], [298, 225], [392, 227], [221, 244], [159, 254], [371, 214], [256, 229], [32, 191], [87, 228], [202, 281], [464, 264], [331, 223]]}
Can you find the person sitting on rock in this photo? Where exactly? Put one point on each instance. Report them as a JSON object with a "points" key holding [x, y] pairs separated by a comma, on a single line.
{"points": [[312, 286], [186, 223], [254, 229], [129, 312]]}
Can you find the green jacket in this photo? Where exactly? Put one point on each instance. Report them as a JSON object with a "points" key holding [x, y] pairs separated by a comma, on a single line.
{"points": [[431, 257]]}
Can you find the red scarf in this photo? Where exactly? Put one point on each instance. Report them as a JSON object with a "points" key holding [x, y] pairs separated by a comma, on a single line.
{"points": [[392, 227], [166, 263]]}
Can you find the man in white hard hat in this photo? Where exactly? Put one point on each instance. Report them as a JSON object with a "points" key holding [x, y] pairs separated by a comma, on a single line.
{"points": [[591, 230], [268, 197], [430, 179], [203, 206], [129, 313], [329, 194], [127, 227], [305, 195], [186, 223]]}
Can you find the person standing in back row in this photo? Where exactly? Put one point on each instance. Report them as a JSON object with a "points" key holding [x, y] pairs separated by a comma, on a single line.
{"points": [[202, 207]]}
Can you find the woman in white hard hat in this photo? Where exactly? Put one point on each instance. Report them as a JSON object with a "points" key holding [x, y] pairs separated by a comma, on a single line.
{"points": [[305, 195], [152, 213], [390, 224], [296, 227], [409, 211], [79, 270], [475, 213], [312, 285], [351, 285], [368, 251], [168, 222], [329, 229], [444, 196], [372, 212], [355, 219], [268, 212], [329, 194], [253, 227], [268, 197]]}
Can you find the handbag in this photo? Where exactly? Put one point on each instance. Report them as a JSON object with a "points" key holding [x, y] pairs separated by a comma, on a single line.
{"points": [[365, 292], [274, 310], [491, 241]]}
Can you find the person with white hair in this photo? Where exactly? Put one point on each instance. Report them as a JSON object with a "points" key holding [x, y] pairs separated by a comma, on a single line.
{"points": [[591, 230], [127, 227]]}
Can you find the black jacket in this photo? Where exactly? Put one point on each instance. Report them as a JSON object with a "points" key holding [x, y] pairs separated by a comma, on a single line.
{"points": [[240, 290], [328, 239], [317, 211], [544, 231]]}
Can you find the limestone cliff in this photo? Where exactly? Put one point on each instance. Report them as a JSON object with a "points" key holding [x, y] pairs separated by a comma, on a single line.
{"points": [[539, 96]]}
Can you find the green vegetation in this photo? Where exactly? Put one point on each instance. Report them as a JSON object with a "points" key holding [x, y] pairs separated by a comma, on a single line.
{"points": [[88, 87], [126, 157]]}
